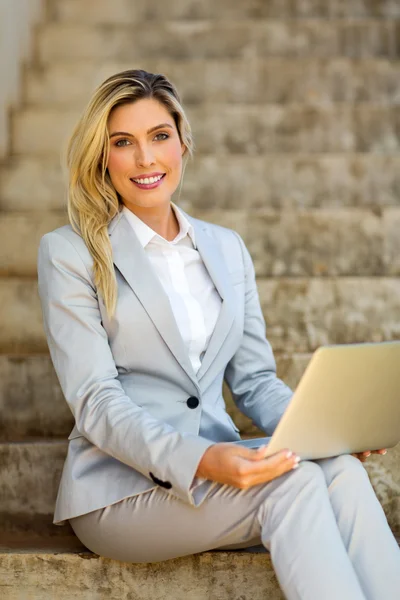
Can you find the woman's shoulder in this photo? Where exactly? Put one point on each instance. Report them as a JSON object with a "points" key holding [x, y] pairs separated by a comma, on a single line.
{"points": [[221, 233], [65, 242]]}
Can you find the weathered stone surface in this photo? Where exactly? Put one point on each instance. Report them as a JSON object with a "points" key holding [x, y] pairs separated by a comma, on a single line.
{"points": [[126, 11], [30, 474], [31, 401], [301, 313], [314, 242], [295, 243], [257, 129], [211, 39], [85, 576], [71, 84], [21, 328], [240, 182], [20, 234], [392, 241]]}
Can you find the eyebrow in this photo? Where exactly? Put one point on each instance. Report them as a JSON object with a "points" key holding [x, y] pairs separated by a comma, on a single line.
{"points": [[161, 126]]}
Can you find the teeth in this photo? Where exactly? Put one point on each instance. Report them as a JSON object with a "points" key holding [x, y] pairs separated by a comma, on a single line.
{"points": [[148, 180]]}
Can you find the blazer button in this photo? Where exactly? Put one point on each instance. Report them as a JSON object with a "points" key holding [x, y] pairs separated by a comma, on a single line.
{"points": [[165, 484], [192, 402]]}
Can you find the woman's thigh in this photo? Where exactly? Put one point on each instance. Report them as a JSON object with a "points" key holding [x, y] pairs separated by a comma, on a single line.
{"points": [[156, 526]]}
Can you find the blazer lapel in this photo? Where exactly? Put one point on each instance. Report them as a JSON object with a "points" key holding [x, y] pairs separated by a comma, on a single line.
{"points": [[131, 260], [216, 266]]}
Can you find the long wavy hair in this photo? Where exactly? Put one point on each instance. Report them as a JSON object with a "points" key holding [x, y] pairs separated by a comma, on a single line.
{"points": [[92, 199]]}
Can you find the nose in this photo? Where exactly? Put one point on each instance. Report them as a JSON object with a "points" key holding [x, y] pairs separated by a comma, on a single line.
{"points": [[144, 155]]}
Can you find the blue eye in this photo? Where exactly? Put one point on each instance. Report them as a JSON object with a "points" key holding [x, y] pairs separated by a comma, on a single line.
{"points": [[119, 143], [166, 136]]}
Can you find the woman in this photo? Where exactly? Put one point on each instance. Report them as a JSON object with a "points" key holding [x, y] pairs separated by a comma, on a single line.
{"points": [[146, 312]]}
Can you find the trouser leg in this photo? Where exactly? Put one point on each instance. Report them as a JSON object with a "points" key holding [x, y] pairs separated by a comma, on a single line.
{"points": [[363, 526], [298, 527], [292, 516]]}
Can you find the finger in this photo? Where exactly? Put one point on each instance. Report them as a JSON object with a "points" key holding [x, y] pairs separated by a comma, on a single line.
{"points": [[360, 456], [254, 453], [283, 460], [382, 451], [275, 468]]}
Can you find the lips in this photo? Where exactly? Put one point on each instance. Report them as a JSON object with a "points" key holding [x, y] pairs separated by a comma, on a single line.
{"points": [[143, 176], [147, 177]]}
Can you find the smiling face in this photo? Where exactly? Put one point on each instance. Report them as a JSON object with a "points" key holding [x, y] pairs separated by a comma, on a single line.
{"points": [[145, 159]]}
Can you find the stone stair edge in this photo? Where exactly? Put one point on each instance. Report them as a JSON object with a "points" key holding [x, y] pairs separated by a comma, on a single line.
{"points": [[60, 9], [36, 66], [11, 160], [57, 109], [198, 213], [82, 575]]}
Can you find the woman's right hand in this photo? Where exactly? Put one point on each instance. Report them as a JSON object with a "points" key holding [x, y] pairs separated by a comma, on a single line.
{"points": [[244, 467]]}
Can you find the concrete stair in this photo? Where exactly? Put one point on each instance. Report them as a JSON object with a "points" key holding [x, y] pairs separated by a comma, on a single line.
{"points": [[308, 242], [212, 39], [125, 11], [295, 112], [284, 181], [259, 129], [273, 79]]}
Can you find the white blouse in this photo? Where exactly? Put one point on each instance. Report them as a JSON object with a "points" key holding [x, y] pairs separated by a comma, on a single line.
{"points": [[194, 300]]}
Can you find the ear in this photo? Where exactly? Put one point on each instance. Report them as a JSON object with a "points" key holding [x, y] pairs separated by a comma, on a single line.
{"points": [[184, 149]]}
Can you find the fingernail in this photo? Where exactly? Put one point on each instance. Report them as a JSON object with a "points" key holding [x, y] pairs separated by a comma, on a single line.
{"points": [[297, 459], [289, 454], [295, 466], [384, 452]]}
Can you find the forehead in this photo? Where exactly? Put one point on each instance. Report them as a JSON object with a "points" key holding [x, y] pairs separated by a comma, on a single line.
{"points": [[139, 115]]}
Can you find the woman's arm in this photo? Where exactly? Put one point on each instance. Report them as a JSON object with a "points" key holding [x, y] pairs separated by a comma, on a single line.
{"points": [[84, 364], [251, 373]]}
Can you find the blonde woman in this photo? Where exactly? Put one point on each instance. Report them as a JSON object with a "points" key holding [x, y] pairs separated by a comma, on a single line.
{"points": [[147, 310]]}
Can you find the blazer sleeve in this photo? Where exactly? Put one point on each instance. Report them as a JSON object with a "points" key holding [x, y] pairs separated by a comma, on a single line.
{"points": [[251, 373], [84, 364]]}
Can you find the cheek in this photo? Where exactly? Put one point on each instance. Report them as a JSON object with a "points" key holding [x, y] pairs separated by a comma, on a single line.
{"points": [[174, 158], [116, 164]]}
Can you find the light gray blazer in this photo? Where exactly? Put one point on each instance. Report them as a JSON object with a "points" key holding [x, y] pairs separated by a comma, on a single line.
{"points": [[143, 418]]}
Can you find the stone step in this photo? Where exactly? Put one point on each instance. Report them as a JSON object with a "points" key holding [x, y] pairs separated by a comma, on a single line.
{"points": [[46, 573], [29, 386], [281, 80], [129, 11], [259, 129], [345, 241], [278, 181], [30, 474], [209, 39], [301, 313]]}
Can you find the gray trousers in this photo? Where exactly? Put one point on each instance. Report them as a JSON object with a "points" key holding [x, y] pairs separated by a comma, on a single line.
{"points": [[322, 523]]}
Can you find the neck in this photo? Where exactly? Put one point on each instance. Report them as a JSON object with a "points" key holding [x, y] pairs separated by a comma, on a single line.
{"points": [[160, 219]]}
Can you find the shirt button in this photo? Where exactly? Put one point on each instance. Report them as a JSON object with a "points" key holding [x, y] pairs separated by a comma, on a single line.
{"points": [[192, 402]]}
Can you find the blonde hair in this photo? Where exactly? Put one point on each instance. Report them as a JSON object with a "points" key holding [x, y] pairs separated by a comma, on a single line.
{"points": [[92, 199]]}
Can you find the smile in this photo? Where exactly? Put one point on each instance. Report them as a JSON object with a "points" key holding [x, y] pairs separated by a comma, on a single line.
{"points": [[148, 183]]}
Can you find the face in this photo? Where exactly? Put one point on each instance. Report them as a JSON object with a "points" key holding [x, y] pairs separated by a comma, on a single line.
{"points": [[145, 160]]}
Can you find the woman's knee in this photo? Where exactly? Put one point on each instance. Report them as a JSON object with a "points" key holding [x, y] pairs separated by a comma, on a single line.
{"points": [[346, 467]]}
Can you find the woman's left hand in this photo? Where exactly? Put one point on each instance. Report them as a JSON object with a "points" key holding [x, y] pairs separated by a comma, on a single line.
{"points": [[364, 455]]}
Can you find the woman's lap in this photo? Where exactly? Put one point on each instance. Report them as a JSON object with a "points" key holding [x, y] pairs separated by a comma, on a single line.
{"points": [[156, 525]]}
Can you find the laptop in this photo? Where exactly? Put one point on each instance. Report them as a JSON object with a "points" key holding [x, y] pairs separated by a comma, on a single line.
{"points": [[347, 401]]}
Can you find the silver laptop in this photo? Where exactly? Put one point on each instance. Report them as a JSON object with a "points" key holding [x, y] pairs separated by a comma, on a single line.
{"points": [[348, 400]]}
